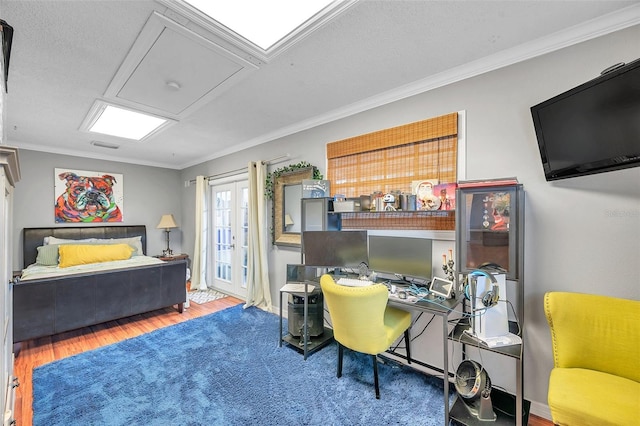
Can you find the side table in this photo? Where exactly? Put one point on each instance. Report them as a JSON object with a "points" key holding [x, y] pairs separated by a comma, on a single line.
{"points": [[303, 290], [182, 256]]}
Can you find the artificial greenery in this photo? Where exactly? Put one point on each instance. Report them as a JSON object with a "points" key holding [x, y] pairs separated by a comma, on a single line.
{"points": [[273, 176]]}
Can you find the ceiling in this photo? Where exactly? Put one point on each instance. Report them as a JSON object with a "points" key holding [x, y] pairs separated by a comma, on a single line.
{"points": [[67, 55]]}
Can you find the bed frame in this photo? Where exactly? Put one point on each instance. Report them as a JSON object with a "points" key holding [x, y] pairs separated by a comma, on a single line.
{"points": [[44, 307]]}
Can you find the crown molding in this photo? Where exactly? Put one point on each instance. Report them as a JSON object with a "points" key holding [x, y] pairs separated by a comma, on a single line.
{"points": [[93, 155]]}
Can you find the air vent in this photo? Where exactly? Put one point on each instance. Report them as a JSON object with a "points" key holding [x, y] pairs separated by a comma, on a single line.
{"points": [[105, 145]]}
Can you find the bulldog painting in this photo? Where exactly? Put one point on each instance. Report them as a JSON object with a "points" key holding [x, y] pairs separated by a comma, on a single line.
{"points": [[86, 198]]}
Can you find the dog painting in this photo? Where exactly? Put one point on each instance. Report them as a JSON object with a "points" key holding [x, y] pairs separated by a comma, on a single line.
{"points": [[83, 196]]}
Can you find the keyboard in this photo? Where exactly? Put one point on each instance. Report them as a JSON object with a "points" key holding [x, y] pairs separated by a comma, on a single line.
{"points": [[354, 282]]}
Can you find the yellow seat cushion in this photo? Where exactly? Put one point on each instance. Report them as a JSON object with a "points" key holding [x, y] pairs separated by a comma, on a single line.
{"points": [[71, 255], [591, 398]]}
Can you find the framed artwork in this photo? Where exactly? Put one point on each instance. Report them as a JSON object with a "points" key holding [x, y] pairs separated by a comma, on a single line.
{"points": [[84, 196], [447, 194], [426, 199]]}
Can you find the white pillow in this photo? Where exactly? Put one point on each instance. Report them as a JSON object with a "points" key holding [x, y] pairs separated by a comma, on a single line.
{"points": [[135, 242], [54, 240]]}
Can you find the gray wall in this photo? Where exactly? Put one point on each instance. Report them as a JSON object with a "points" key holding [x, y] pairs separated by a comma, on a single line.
{"points": [[149, 192], [581, 234]]}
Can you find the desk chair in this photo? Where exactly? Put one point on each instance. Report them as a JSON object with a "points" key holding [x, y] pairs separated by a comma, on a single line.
{"points": [[596, 346], [363, 322]]}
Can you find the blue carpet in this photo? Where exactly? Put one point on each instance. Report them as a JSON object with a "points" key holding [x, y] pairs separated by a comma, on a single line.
{"points": [[227, 369]]}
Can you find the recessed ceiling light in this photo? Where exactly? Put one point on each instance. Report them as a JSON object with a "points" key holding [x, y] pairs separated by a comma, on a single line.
{"points": [[112, 120], [261, 22]]}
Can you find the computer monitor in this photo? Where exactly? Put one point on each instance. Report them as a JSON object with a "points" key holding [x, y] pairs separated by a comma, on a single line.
{"points": [[334, 249], [300, 273], [406, 256]]}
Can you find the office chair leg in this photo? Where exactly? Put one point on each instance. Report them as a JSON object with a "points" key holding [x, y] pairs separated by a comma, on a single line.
{"points": [[375, 375], [407, 343], [340, 353]]}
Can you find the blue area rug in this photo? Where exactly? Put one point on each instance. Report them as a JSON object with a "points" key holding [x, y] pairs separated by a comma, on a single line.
{"points": [[227, 369]]}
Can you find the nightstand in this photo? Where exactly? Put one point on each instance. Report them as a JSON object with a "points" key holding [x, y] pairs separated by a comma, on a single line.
{"points": [[182, 256], [171, 258]]}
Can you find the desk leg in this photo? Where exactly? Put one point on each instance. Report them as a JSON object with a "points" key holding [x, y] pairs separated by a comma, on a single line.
{"points": [[305, 335], [445, 367], [519, 392], [280, 335]]}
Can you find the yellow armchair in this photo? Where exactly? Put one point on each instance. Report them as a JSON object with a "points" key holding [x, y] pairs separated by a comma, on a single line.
{"points": [[596, 354], [363, 322]]}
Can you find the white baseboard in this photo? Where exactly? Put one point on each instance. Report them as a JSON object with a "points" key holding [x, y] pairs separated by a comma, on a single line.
{"points": [[541, 410]]}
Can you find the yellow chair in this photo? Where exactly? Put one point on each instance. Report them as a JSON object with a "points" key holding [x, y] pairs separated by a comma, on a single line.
{"points": [[363, 322], [596, 353]]}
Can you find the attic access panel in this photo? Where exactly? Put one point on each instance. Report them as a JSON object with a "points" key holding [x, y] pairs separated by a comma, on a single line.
{"points": [[172, 70]]}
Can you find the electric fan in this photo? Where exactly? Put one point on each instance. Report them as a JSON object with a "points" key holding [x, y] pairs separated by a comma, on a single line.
{"points": [[474, 387]]}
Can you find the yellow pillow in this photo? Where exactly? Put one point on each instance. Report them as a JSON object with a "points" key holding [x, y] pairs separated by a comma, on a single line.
{"points": [[71, 255]]}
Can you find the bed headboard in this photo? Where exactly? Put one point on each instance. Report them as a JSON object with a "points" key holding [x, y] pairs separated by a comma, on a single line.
{"points": [[33, 237]]}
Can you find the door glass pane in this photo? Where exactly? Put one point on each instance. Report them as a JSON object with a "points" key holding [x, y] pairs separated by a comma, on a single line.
{"points": [[244, 233], [223, 235]]}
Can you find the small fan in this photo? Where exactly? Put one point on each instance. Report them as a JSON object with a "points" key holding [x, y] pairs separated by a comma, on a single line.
{"points": [[474, 387]]}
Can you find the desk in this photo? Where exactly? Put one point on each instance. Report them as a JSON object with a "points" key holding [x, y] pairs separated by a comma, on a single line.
{"points": [[443, 309]]}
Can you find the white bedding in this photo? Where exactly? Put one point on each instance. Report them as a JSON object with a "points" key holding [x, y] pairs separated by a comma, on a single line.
{"points": [[36, 271]]}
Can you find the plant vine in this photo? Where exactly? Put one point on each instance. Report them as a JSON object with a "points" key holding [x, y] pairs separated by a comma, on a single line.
{"points": [[273, 176]]}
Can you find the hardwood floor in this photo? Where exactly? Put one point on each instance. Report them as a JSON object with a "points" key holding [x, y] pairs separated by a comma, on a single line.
{"points": [[34, 353]]}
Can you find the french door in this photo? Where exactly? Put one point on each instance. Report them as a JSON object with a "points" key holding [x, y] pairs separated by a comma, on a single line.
{"points": [[228, 237]]}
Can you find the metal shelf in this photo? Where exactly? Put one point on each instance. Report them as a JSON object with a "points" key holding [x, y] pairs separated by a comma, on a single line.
{"points": [[458, 335]]}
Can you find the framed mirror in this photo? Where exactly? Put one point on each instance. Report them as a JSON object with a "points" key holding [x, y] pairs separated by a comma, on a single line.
{"points": [[287, 192]]}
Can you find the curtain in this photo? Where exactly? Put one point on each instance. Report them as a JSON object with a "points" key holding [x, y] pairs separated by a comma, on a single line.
{"points": [[198, 277], [258, 289]]}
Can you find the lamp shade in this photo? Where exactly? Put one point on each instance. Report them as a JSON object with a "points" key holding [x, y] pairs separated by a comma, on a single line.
{"points": [[167, 221], [288, 220]]}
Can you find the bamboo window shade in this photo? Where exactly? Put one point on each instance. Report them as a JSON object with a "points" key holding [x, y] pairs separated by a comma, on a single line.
{"points": [[391, 159]]}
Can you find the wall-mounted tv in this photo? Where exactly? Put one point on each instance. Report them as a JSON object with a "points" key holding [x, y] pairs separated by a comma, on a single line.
{"points": [[592, 128], [7, 40]]}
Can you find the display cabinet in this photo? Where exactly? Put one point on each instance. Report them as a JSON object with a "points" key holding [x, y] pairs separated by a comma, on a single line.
{"points": [[490, 230]]}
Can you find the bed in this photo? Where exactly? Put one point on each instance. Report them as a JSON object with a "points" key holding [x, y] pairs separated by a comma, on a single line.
{"points": [[44, 305]]}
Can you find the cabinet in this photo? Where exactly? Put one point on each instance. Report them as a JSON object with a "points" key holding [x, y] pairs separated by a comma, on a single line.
{"points": [[490, 229]]}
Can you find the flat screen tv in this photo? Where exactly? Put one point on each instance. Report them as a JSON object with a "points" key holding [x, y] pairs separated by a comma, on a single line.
{"points": [[592, 128], [7, 40], [334, 249]]}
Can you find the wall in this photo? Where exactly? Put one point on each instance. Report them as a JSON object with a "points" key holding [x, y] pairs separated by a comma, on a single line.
{"points": [[579, 233], [149, 192]]}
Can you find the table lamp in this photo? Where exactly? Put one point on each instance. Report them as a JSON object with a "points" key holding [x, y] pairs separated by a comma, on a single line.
{"points": [[167, 222], [288, 220]]}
